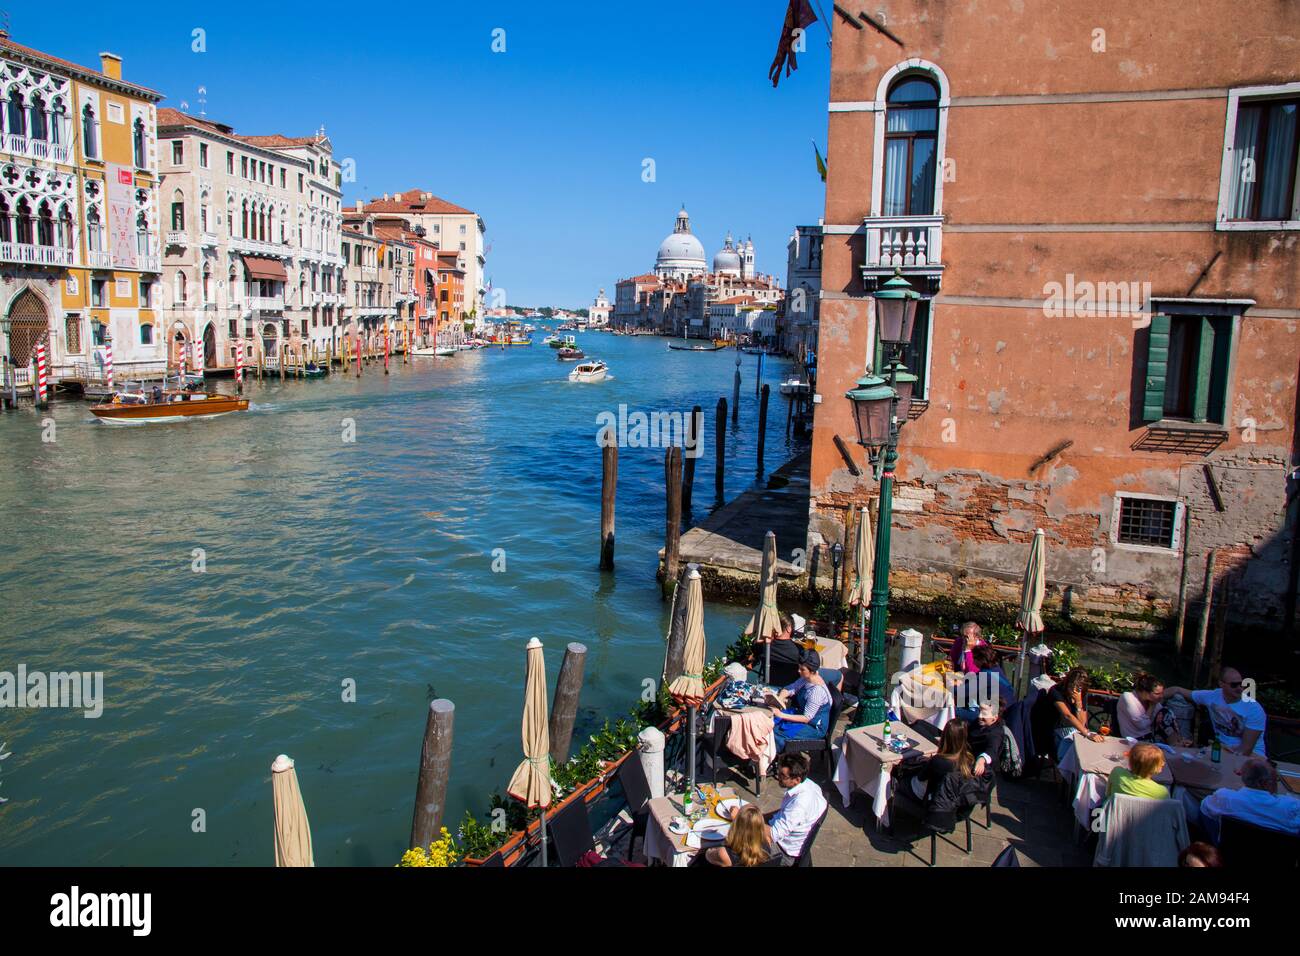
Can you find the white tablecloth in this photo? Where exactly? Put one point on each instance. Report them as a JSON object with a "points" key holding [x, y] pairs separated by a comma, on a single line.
{"points": [[867, 769], [909, 701]]}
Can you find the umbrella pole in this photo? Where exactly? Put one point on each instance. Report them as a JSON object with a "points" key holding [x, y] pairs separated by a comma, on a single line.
{"points": [[767, 661], [862, 643], [691, 749], [543, 837]]}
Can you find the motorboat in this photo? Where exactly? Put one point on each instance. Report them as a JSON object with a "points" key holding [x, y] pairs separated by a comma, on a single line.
{"points": [[135, 406], [594, 371], [794, 386], [570, 354]]}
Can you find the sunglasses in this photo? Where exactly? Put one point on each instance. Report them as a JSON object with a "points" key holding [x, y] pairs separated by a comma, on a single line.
{"points": [[1232, 683]]}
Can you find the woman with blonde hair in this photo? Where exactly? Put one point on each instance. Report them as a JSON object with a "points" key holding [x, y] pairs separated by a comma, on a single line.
{"points": [[1138, 780], [746, 843]]}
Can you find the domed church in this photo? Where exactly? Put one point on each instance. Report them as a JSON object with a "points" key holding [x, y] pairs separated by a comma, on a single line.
{"points": [[681, 255]]}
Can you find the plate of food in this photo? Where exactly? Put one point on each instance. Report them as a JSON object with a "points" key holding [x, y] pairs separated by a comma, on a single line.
{"points": [[679, 825], [712, 829], [727, 808]]}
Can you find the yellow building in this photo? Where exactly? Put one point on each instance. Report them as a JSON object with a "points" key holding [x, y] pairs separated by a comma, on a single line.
{"points": [[79, 242]]}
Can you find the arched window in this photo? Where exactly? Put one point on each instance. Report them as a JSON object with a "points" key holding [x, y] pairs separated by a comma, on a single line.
{"points": [[6, 225], [142, 234], [178, 211], [137, 143], [244, 225], [207, 283], [65, 227], [39, 127], [911, 146], [94, 230], [17, 113], [89, 132], [146, 334], [24, 222], [180, 287], [58, 117], [45, 225]]}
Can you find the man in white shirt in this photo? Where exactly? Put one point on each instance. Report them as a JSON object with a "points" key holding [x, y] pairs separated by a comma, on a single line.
{"points": [[1238, 723], [801, 808], [1256, 802]]}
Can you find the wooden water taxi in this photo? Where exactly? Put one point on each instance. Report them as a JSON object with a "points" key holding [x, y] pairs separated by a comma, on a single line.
{"points": [[137, 407]]}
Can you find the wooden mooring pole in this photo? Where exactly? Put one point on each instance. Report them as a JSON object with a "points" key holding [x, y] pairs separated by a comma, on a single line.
{"points": [[568, 687], [692, 439], [435, 769], [735, 394], [764, 395], [608, 494], [719, 448], [1198, 655], [673, 522]]}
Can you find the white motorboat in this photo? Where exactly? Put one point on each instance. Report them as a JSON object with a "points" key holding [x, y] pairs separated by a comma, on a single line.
{"points": [[594, 371], [794, 386]]}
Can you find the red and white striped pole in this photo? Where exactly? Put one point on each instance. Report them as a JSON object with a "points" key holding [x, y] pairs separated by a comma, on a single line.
{"points": [[198, 359], [41, 389], [239, 366], [180, 364], [357, 341], [385, 349], [108, 361]]}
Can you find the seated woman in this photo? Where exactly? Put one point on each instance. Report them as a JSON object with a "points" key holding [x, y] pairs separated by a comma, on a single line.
{"points": [[917, 785], [746, 843], [961, 654], [986, 662], [806, 710], [1142, 714], [1067, 699], [1144, 762]]}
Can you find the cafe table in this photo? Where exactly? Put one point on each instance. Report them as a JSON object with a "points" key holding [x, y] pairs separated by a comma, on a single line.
{"points": [[669, 848], [1193, 770], [923, 697], [1089, 763], [832, 652], [865, 765]]}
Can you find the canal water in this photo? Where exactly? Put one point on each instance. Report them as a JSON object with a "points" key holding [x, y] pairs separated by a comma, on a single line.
{"points": [[231, 578]]}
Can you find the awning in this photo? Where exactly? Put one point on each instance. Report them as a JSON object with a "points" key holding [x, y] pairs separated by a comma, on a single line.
{"points": [[265, 268]]}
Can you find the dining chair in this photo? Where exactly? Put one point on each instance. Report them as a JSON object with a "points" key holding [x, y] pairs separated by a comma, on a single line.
{"points": [[822, 745], [636, 790], [570, 833], [716, 752], [1247, 845], [805, 852]]}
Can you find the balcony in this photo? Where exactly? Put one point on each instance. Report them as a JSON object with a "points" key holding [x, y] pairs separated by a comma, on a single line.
{"points": [[258, 248], [913, 244], [209, 240], [17, 145], [99, 259], [36, 255], [177, 239], [263, 303]]}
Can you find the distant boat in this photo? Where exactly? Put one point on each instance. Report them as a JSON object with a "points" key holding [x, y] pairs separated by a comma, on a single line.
{"points": [[562, 342], [794, 386], [570, 354], [589, 372]]}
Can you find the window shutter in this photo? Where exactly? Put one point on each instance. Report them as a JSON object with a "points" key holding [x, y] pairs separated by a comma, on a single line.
{"points": [[1217, 403], [1153, 398]]}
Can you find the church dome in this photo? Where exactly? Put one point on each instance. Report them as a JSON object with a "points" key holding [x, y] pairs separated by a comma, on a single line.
{"points": [[681, 252], [727, 261]]}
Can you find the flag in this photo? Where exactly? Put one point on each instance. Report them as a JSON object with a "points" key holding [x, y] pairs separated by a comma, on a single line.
{"points": [[797, 17], [821, 163]]}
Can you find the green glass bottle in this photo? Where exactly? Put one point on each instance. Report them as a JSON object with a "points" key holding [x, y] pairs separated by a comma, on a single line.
{"points": [[1216, 751]]}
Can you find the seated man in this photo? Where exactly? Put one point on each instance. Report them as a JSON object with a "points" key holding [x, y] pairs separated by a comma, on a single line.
{"points": [[801, 807], [1256, 802], [785, 653], [1144, 762], [1238, 723], [985, 737]]}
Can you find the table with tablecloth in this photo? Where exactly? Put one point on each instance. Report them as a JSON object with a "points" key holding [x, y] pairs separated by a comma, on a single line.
{"points": [[1088, 764], [863, 765], [832, 652], [662, 844], [923, 696]]}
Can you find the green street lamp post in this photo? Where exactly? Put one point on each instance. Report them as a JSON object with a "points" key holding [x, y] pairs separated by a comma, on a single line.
{"points": [[880, 409]]}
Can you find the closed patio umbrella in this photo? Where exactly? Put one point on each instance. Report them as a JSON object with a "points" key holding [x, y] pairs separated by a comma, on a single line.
{"points": [[292, 831], [864, 559], [1030, 620], [766, 620], [531, 783], [688, 689]]}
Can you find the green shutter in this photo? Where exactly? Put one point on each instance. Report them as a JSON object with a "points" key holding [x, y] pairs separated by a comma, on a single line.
{"points": [[1153, 396], [1220, 359], [1203, 370]]}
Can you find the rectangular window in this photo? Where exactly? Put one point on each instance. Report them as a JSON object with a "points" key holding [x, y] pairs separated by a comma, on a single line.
{"points": [[230, 163], [98, 295], [146, 294], [243, 167], [146, 334], [1147, 522], [203, 155], [1188, 366], [97, 332], [72, 332], [282, 180], [300, 182], [1263, 161], [178, 152]]}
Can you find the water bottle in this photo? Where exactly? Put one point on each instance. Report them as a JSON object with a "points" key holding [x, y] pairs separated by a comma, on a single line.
{"points": [[686, 803], [1216, 751], [885, 735]]}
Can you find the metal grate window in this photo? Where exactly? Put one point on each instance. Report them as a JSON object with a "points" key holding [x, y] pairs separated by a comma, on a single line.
{"points": [[1147, 521]]}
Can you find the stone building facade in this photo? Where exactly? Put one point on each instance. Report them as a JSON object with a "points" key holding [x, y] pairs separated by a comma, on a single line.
{"points": [[1105, 231]]}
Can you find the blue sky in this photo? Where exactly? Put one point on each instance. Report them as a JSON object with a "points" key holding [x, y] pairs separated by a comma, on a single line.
{"points": [[545, 141]]}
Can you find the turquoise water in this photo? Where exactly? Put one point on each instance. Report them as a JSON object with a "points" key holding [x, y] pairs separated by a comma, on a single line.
{"points": [[327, 562]]}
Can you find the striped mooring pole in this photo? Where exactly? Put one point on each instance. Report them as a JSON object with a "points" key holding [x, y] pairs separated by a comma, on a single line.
{"points": [[239, 366], [108, 361], [41, 386]]}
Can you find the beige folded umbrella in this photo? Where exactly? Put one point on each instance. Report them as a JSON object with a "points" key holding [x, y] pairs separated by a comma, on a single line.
{"points": [[292, 831], [531, 782], [688, 689], [766, 620], [1030, 620], [864, 560]]}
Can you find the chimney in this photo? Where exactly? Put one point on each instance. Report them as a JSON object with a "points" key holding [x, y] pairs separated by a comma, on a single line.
{"points": [[110, 64], [385, 197], [360, 205]]}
